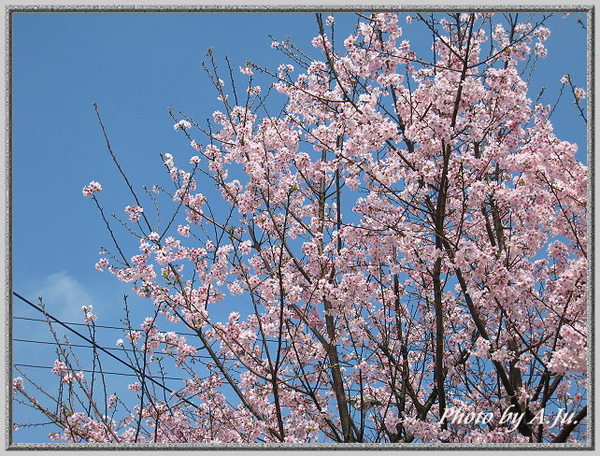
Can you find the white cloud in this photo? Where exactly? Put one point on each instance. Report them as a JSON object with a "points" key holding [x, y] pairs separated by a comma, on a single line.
{"points": [[63, 296]]}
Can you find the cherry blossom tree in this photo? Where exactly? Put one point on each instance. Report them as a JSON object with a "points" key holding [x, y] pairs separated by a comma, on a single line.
{"points": [[397, 254]]}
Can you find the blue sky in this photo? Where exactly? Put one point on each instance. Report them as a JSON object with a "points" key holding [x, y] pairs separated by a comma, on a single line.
{"points": [[136, 66]]}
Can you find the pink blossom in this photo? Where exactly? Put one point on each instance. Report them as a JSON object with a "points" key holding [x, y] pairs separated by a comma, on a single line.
{"points": [[195, 145], [102, 264], [542, 33], [183, 125], [112, 401], [88, 314], [540, 50], [60, 368], [184, 230], [91, 188], [17, 384], [134, 212], [247, 70]]}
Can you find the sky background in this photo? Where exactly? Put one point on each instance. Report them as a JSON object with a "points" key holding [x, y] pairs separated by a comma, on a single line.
{"points": [[136, 66]]}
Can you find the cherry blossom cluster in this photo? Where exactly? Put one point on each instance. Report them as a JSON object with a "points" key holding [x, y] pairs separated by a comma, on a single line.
{"points": [[91, 188]]}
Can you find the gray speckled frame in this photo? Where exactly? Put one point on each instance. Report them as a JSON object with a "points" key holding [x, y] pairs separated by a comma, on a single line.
{"points": [[250, 6]]}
